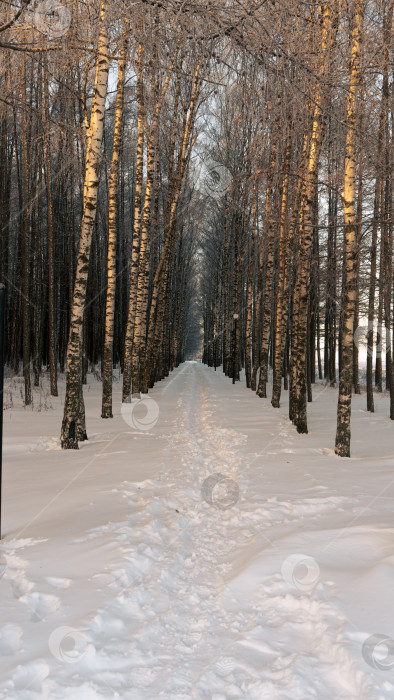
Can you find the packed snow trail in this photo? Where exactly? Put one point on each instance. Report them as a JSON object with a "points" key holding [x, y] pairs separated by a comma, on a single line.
{"points": [[213, 554]]}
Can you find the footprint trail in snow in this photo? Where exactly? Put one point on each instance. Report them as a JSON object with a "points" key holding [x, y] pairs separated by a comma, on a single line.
{"points": [[197, 606]]}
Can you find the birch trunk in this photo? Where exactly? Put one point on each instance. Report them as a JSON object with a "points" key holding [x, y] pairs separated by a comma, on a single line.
{"points": [[249, 296], [135, 251], [372, 286], [260, 360], [299, 399], [139, 377], [51, 290], [25, 247], [73, 427], [342, 442], [108, 351], [282, 292]]}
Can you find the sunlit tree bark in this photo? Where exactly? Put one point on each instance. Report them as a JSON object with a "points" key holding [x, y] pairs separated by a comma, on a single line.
{"points": [[106, 411], [298, 387], [342, 440], [73, 426]]}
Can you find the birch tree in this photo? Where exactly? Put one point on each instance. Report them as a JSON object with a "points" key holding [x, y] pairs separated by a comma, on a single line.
{"points": [[106, 411], [73, 426], [342, 440]]}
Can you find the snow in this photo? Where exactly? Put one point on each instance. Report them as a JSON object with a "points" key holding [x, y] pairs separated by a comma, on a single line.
{"points": [[196, 547]]}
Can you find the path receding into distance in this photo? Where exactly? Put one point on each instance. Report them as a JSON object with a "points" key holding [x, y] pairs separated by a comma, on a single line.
{"points": [[127, 572]]}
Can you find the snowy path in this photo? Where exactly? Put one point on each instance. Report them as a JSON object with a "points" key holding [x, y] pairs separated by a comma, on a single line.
{"points": [[131, 584]]}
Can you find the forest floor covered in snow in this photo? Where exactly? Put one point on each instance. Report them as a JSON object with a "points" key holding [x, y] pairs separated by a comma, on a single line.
{"points": [[126, 571]]}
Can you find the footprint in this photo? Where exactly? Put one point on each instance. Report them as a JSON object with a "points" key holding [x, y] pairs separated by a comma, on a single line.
{"points": [[30, 676], [11, 637], [40, 605], [20, 585], [58, 582], [224, 666]]}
